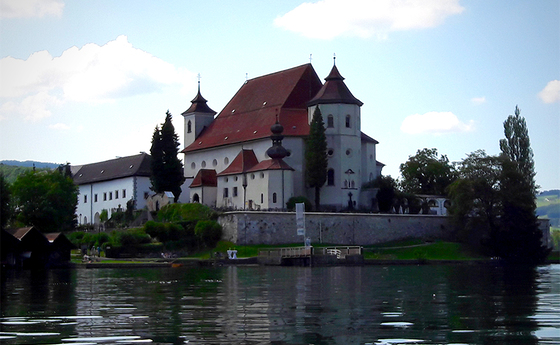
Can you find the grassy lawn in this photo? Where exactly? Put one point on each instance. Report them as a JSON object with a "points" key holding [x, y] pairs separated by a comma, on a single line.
{"points": [[417, 250]]}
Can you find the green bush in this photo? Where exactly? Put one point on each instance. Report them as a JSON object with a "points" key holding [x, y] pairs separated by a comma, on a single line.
{"points": [[185, 212], [209, 232], [291, 204], [131, 237]]}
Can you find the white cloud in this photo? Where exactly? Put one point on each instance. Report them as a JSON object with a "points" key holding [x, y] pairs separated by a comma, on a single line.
{"points": [[435, 123], [32, 108], [92, 74], [60, 127], [478, 100], [551, 92], [30, 8], [328, 19]]}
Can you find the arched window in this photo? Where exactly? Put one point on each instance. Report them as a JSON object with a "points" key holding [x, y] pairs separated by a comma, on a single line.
{"points": [[196, 198], [330, 121], [348, 121], [274, 198], [189, 127], [330, 177]]}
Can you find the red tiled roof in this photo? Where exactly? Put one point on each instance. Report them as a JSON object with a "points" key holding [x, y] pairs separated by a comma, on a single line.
{"points": [[271, 164], [252, 111], [205, 177], [244, 161]]}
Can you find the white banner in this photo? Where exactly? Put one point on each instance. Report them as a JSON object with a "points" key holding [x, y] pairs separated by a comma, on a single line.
{"points": [[300, 219]]}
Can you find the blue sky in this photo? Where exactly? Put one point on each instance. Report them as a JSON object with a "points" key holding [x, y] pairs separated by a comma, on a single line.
{"points": [[86, 81]]}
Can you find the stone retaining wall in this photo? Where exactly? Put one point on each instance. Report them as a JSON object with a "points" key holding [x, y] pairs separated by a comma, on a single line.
{"points": [[249, 227]]}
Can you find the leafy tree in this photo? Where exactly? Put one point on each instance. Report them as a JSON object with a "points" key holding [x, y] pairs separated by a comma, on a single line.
{"points": [[5, 197], [517, 147], [475, 199], [46, 199], [520, 238], [387, 192], [167, 169], [427, 173], [316, 159]]}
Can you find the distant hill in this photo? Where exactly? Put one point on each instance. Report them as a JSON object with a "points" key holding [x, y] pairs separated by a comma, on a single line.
{"points": [[12, 169], [29, 164], [548, 206]]}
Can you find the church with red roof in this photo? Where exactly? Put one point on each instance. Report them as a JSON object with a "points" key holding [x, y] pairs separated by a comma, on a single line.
{"points": [[251, 155]]}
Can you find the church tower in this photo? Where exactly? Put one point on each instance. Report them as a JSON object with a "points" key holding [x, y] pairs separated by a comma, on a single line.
{"points": [[197, 117], [341, 115]]}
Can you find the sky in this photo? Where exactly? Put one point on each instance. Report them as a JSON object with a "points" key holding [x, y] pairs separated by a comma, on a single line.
{"points": [[87, 81]]}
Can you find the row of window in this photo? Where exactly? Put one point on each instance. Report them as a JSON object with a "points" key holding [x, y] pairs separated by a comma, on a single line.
{"points": [[330, 121], [234, 189], [107, 196]]}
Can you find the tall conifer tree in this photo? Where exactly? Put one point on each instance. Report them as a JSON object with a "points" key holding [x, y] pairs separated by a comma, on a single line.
{"points": [[167, 169], [520, 238], [316, 159]]}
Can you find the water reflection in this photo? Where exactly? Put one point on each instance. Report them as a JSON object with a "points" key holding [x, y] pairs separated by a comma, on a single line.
{"points": [[283, 305]]}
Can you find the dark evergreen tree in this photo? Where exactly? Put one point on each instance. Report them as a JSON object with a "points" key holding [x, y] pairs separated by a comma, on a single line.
{"points": [[5, 202], [316, 159], [156, 166], [167, 169]]}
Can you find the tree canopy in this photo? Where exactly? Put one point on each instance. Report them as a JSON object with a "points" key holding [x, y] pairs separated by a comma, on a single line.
{"points": [[46, 199], [493, 201], [427, 173], [5, 197], [517, 147], [316, 159], [166, 167]]}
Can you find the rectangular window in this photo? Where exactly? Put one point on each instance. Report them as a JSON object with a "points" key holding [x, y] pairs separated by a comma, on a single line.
{"points": [[85, 199], [234, 191], [226, 193], [116, 194], [262, 198], [124, 193], [95, 198], [104, 196], [110, 195]]}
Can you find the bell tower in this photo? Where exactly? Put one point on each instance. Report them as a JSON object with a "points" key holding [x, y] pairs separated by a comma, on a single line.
{"points": [[197, 117], [341, 115]]}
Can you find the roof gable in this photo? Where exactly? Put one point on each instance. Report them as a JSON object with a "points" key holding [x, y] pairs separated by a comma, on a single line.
{"points": [[271, 164], [205, 178], [244, 161], [137, 165], [253, 110]]}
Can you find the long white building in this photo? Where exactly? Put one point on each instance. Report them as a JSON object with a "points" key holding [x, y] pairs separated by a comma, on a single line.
{"points": [[110, 184]]}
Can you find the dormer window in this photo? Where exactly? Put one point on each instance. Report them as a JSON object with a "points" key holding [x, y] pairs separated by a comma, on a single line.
{"points": [[348, 123]]}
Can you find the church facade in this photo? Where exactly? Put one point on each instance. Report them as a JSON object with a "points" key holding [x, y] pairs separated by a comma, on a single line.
{"points": [[251, 155]]}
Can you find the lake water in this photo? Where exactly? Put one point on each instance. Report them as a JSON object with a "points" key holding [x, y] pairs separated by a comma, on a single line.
{"points": [[448, 304]]}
